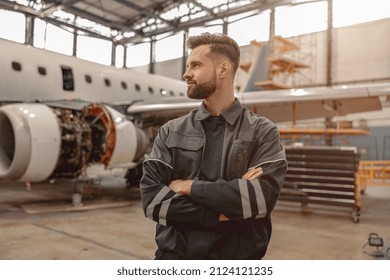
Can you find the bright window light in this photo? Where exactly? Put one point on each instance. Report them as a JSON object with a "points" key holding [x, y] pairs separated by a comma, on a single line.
{"points": [[256, 28], [138, 55], [169, 48], [349, 12], [95, 50], [53, 38], [301, 19], [12, 26], [58, 40]]}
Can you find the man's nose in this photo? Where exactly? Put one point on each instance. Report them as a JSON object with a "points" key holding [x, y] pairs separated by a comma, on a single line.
{"points": [[186, 75]]}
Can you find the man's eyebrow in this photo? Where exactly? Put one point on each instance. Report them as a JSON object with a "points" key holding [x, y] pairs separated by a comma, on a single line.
{"points": [[194, 62]]}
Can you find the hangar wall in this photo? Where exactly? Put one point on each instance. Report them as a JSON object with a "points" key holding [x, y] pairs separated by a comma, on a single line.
{"points": [[170, 68], [362, 52]]}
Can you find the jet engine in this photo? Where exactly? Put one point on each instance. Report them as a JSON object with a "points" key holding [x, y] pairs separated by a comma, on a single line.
{"points": [[38, 141]]}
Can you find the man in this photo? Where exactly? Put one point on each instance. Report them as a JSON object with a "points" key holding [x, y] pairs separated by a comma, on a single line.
{"points": [[214, 175]]}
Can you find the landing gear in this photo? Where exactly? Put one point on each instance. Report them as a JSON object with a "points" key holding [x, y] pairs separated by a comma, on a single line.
{"points": [[81, 186], [356, 214]]}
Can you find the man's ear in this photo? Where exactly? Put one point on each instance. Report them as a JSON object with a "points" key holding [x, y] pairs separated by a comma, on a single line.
{"points": [[225, 68]]}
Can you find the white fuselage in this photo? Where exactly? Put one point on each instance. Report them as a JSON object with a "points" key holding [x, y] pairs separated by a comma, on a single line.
{"points": [[38, 74]]}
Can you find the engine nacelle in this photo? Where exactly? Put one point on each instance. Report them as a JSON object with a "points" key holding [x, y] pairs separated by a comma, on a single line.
{"points": [[30, 141], [38, 141], [130, 141]]}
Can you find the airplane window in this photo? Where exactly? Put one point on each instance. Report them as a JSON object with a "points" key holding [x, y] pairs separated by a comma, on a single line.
{"points": [[137, 87], [171, 93], [42, 70], [124, 85], [181, 94], [16, 66], [67, 78], [163, 91], [150, 90], [88, 79], [107, 82]]}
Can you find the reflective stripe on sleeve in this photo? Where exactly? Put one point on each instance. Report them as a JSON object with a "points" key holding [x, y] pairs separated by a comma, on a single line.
{"points": [[245, 199], [164, 211], [260, 200], [156, 200], [246, 204]]}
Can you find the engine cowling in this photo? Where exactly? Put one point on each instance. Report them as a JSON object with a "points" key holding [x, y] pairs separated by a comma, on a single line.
{"points": [[38, 141], [30, 141]]}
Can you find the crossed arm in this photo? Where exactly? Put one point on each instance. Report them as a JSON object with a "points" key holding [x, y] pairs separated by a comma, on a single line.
{"points": [[183, 187]]}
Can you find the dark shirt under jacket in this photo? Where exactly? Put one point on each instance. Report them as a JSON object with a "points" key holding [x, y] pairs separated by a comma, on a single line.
{"points": [[214, 128]]}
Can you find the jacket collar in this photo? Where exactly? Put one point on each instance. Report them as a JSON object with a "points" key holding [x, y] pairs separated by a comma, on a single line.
{"points": [[230, 115]]}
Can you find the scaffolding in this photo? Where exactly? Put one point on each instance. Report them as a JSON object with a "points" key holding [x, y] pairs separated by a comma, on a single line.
{"points": [[288, 65]]}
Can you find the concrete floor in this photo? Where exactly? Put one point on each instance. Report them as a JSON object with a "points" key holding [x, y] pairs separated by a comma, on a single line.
{"points": [[111, 225]]}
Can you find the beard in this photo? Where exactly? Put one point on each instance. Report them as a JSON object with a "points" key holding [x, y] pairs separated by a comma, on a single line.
{"points": [[202, 91]]}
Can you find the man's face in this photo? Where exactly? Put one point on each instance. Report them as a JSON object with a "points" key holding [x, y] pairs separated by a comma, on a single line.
{"points": [[200, 75]]}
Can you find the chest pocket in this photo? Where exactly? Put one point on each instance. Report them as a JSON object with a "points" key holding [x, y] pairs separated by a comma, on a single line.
{"points": [[186, 154], [240, 156]]}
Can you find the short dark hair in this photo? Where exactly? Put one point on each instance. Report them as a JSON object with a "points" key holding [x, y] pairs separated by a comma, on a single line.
{"points": [[220, 44]]}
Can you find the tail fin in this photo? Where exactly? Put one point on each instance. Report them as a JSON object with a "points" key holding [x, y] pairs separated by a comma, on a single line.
{"points": [[258, 70]]}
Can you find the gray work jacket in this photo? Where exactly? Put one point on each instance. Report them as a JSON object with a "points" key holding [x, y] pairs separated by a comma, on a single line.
{"points": [[188, 226]]}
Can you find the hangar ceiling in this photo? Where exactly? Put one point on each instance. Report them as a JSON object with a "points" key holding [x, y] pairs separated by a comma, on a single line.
{"points": [[131, 21]]}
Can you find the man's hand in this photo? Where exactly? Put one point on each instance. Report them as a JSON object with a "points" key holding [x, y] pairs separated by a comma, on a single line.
{"points": [[181, 186], [253, 173], [222, 218]]}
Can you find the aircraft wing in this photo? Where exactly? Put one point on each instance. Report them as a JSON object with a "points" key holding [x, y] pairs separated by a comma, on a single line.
{"points": [[286, 105]]}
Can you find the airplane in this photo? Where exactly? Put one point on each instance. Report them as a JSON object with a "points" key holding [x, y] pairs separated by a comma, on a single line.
{"points": [[60, 114]]}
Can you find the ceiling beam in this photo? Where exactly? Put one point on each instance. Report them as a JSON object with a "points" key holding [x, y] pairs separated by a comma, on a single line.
{"points": [[63, 5], [197, 22], [144, 15], [257, 6], [142, 11], [12, 6]]}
